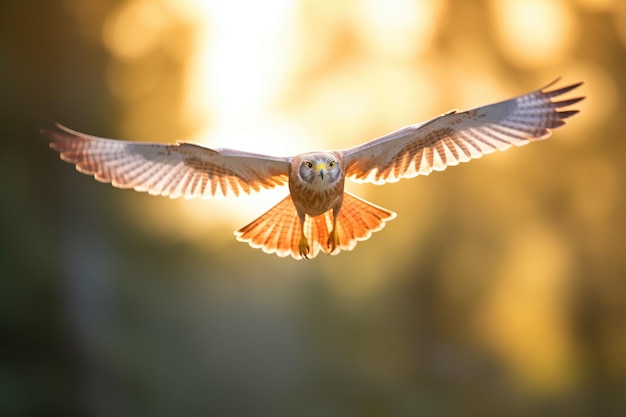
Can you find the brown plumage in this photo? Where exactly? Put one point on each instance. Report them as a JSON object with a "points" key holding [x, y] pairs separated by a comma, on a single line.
{"points": [[318, 215]]}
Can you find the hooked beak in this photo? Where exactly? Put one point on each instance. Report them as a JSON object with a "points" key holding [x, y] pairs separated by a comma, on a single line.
{"points": [[321, 169]]}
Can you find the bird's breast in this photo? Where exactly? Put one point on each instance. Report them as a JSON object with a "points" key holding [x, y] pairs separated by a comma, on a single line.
{"points": [[314, 201]]}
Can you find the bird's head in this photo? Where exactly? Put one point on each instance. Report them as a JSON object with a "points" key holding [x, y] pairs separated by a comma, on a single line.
{"points": [[320, 169]]}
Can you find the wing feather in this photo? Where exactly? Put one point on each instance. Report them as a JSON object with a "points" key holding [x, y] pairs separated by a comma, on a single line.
{"points": [[457, 137], [174, 170]]}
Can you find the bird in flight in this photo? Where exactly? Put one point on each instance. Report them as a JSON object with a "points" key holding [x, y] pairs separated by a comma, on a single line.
{"points": [[318, 215]]}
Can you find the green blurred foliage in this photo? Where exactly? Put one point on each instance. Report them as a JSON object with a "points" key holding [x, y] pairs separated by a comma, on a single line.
{"points": [[499, 290]]}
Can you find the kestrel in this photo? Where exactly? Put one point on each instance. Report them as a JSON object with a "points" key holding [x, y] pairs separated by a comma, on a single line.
{"points": [[318, 214]]}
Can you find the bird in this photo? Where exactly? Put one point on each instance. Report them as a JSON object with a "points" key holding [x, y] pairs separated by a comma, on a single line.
{"points": [[318, 214]]}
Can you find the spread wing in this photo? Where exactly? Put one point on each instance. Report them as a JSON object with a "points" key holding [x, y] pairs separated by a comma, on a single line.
{"points": [[181, 169], [459, 137]]}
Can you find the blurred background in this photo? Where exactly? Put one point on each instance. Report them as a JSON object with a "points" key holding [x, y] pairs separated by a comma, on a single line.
{"points": [[500, 288]]}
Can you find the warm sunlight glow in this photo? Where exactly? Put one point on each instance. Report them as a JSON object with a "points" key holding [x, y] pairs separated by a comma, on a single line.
{"points": [[534, 32], [133, 29], [399, 29], [237, 72]]}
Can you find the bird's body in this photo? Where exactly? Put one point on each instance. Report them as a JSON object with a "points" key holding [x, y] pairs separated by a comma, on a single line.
{"points": [[318, 215]]}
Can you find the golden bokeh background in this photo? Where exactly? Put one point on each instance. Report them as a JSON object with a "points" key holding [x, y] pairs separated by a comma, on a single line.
{"points": [[500, 289]]}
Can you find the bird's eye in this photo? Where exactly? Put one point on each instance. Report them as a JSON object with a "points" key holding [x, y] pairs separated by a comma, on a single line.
{"points": [[331, 164], [309, 164]]}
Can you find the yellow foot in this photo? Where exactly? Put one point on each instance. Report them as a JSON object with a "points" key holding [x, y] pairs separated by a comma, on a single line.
{"points": [[333, 241], [303, 246]]}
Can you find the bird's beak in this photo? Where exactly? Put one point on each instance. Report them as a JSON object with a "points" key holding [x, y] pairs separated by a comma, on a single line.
{"points": [[321, 168]]}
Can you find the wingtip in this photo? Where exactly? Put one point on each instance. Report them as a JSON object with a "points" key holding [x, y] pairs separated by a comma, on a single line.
{"points": [[60, 126], [66, 129], [552, 94], [567, 114]]}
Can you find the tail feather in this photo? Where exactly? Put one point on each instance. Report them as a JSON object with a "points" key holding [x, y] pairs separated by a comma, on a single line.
{"points": [[358, 219], [278, 230]]}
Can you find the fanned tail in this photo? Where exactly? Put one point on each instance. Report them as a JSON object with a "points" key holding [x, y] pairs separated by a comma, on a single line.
{"points": [[278, 230], [358, 219]]}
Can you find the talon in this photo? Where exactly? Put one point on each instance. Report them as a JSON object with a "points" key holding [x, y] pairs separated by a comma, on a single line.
{"points": [[333, 240], [303, 246]]}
